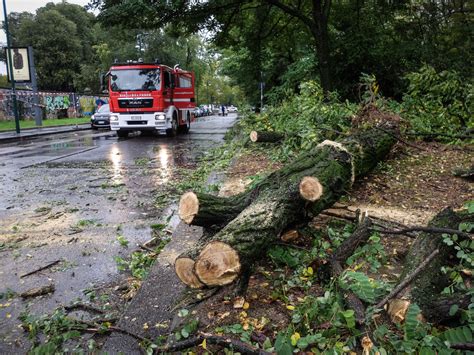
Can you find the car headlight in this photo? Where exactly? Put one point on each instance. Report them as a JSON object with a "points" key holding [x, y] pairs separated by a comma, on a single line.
{"points": [[113, 118], [160, 117]]}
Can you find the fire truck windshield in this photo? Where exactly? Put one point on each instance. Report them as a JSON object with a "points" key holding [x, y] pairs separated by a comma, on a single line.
{"points": [[135, 79]]}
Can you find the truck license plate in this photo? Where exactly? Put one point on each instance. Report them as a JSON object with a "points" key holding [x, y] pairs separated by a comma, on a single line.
{"points": [[136, 117]]}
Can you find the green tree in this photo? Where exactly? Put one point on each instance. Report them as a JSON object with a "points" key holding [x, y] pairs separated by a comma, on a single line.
{"points": [[62, 38], [221, 16], [55, 48]]}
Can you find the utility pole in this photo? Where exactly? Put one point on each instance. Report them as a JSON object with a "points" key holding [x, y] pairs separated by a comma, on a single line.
{"points": [[34, 86], [10, 69]]}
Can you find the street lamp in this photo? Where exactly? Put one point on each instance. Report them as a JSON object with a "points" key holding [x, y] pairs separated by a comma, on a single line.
{"points": [[10, 69]]}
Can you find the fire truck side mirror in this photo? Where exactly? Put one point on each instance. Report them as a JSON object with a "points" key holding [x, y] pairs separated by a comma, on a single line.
{"points": [[104, 80]]}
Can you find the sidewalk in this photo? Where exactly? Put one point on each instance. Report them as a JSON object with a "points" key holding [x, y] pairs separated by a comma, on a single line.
{"points": [[11, 136]]}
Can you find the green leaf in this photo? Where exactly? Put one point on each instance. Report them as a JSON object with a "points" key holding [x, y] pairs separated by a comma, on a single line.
{"points": [[302, 343], [453, 310], [349, 317], [458, 335], [283, 344], [284, 255], [183, 313], [427, 351], [470, 206], [184, 333], [411, 321]]}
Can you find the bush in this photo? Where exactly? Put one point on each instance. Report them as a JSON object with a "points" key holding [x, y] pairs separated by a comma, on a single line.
{"points": [[306, 119], [438, 102]]}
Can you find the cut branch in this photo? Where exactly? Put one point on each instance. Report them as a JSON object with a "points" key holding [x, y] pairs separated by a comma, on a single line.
{"points": [[234, 344], [266, 136], [407, 280], [48, 265], [433, 230], [345, 250]]}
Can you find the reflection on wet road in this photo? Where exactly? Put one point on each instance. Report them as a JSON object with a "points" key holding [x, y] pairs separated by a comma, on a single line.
{"points": [[69, 196]]}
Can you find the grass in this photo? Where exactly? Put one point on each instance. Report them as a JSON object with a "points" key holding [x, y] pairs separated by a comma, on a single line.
{"points": [[10, 124]]}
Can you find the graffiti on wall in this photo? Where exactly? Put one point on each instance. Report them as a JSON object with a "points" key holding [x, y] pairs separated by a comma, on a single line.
{"points": [[53, 104]]}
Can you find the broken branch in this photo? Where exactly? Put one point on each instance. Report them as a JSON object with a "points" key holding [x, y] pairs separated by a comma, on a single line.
{"points": [[52, 263], [407, 280], [238, 345], [427, 230]]}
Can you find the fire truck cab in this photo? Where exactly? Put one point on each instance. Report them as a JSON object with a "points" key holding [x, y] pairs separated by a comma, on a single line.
{"points": [[150, 97]]}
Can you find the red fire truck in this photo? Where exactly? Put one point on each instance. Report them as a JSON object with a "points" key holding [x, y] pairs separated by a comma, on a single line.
{"points": [[150, 97]]}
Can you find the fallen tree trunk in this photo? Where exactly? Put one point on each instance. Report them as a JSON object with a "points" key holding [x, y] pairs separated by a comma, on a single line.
{"points": [[426, 289], [304, 187], [266, 136]]}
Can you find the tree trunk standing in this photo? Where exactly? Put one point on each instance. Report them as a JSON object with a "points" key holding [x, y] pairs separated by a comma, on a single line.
{"points": [[321, 10], [317, 24], [311, 183]]}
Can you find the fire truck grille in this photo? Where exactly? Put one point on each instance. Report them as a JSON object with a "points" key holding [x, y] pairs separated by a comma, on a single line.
{"points": [[136, 122], [135, 103]]}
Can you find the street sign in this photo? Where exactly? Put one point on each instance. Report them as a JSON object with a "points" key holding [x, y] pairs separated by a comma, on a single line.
{"points": [[21, 64]]}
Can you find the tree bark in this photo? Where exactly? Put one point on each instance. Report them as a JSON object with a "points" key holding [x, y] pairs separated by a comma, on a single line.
{"points": [[266, 136], [285, 198], [205, 210], [426, 288]]}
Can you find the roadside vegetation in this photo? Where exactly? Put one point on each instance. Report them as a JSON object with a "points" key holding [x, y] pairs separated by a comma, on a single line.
{"points": [[10, 125]]}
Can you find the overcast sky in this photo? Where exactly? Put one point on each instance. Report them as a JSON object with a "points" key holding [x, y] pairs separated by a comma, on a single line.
{"points": [[29, 6]]}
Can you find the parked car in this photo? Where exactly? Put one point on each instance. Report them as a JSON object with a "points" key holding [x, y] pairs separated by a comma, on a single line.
{"points": [[231, 109], [101, 119], [197, 112]]}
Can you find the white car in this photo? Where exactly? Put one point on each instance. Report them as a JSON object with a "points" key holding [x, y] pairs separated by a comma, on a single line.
{"points": [[231, 109]]}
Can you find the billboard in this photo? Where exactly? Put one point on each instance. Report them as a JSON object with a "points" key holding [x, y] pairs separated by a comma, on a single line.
{"points": [[21, 64]]}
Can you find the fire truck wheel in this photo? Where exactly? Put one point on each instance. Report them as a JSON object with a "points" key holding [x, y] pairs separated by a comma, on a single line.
{"points": [[187, 127], [173, 131], [122, 134]]}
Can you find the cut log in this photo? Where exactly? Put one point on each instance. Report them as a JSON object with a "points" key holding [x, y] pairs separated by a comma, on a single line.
{"points": [[276, 202], [426, 289], [205, 210], [310, 188], [218, 264], [266, 136], [184, 268]]}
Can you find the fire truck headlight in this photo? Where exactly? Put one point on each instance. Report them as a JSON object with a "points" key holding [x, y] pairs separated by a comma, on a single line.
{"points": [[113, 118], [160, 117]]}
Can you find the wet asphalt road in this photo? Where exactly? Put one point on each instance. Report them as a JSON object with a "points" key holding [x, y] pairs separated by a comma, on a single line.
{"points": [[68, 196]]}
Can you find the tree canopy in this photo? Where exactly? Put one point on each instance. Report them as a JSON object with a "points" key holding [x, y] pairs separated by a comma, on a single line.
{"points": [[336, 40]]}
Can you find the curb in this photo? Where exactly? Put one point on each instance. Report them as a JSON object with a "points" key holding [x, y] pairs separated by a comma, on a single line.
{"points": [[12, 137]]}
